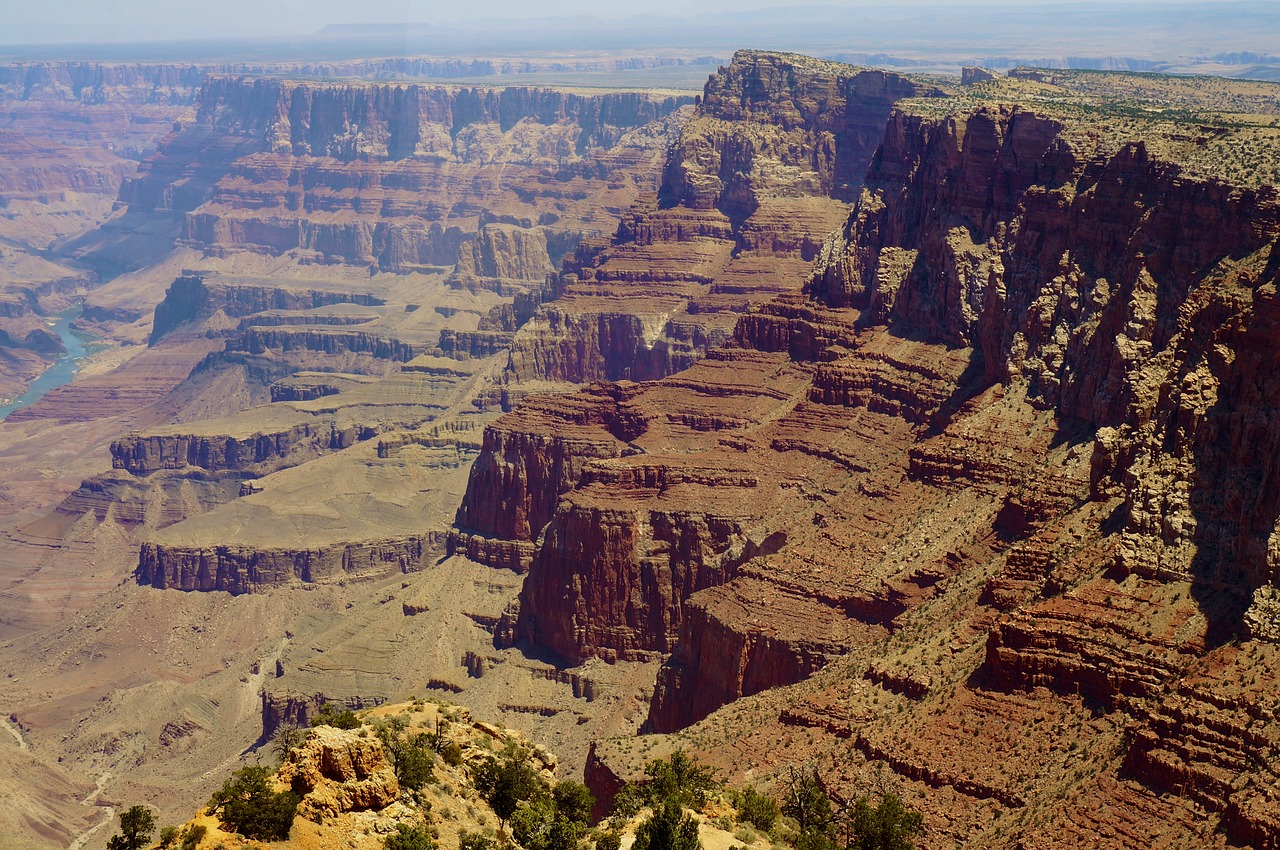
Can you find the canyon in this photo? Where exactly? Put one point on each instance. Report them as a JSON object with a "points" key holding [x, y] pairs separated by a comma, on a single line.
{"points": [[912, 431]]}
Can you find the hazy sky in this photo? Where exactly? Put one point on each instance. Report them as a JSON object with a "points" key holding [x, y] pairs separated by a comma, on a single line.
{"points": [[28, 21]]}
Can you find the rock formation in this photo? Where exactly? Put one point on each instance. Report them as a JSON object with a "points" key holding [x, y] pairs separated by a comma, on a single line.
{"points": [[755, 183], [337, 771], [1012, 432]]}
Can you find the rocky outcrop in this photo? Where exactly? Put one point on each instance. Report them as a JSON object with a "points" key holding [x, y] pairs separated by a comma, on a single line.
{"points": [[338, 770], [238, 569], [750, 191], [196, 296], [386, 175], [526, 463], [141, 454], [257, 340]]}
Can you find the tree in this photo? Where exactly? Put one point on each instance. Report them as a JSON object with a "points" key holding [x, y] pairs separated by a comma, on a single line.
{"points": [[888, 826], [554, 821], [757, 809], [136, 825], [809, 804], [668, 829], [251, 807], [679, 778], [574, 801], [507, 783], [410, 838], [288, 738]]}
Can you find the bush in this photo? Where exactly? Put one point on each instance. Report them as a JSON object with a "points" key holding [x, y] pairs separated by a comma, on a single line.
{"points": [[608, 840], [410, 838], [669, 829], [252, 808], [168, 835], [888, 826], [757, 809], [475, 841], [330, 716], [193, 836], [452, 754]]}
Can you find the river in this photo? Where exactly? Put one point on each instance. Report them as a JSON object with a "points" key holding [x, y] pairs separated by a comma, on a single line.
{"points": [[61, 372]]}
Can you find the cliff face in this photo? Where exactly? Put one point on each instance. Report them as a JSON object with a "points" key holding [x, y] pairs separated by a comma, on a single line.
{"points": [[381, 174], [196, 296], [386, 121], [245, 569], [1029, 428], [756, 181], [100, 83]]}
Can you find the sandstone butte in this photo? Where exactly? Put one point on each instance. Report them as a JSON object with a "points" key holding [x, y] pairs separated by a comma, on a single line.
{"points": [[925, 439]]}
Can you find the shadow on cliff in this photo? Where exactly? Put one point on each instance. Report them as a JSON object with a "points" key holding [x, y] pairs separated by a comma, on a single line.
{"points": [[1235, 490]]}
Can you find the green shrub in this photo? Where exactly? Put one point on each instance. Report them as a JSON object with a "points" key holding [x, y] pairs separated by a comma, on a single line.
{"points": [[330, 716], [193, 835], [475, 841], [409, 838], [452, 754], [888, 826], [757, 809], [168, 835], [670, 828], [250, 806], [507, 783], [608, 840]]}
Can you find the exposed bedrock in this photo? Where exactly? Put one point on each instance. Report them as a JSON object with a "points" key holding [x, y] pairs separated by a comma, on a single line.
{"points": [[393, 121], [100, 82], [651, 524], [757, 180], [527, 461], [821, 121], [1006, 286], [197, 295], [245, 569], [396, 176], [145, 453]]}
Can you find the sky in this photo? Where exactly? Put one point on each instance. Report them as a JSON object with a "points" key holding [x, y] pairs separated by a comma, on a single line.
{"points": [[25, 22]]}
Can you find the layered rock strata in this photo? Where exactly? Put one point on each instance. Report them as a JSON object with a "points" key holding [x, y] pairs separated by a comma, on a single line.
{"points": [[1016, 464], [758, 178]]}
